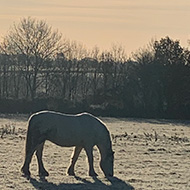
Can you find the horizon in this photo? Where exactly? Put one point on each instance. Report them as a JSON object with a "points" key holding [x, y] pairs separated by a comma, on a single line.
{"points": [[102, 23]]}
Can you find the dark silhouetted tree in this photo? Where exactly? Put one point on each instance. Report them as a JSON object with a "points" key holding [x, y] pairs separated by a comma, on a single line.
{"points": [[36, 42]]}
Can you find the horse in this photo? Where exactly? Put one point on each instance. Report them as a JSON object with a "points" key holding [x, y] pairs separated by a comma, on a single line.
{"points": [[81, 131]]}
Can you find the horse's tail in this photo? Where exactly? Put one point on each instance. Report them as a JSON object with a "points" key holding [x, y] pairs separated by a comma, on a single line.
{"points": [[29, 137]]}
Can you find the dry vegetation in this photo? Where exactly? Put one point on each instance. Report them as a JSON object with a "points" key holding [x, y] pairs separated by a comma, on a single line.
{"points": [[149, 154]]}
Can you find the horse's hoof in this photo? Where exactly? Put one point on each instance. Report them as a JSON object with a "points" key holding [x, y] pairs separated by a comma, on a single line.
{"points": [[25, 173], [43, 174], [71, 172]]}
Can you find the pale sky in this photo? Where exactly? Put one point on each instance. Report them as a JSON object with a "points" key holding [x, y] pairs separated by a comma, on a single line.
{"points": [[131, 23]]}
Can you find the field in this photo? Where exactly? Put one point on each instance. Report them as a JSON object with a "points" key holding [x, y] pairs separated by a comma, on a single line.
{"points": [[149, 155]]}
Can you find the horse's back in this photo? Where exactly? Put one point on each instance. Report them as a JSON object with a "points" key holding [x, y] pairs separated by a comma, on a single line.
{"points": [[69, 130]]}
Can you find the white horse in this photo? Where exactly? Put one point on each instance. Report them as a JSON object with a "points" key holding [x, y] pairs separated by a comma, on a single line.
{"points": [[82, 131]]}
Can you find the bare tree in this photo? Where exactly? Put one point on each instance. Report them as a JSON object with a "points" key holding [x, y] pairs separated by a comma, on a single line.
{"points": [[36, 42]]}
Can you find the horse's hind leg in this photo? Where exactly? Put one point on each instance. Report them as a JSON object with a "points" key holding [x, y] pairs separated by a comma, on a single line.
{"points": [[75, 156], [30, 149], [25, 167], [33, 140], [89, 152], [42, 171]]}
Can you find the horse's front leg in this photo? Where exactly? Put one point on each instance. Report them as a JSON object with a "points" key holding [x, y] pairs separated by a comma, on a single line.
{"points": [[75, 156], [42, 170], [89, 152]]}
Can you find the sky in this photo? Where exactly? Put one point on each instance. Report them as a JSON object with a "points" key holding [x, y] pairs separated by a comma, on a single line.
{"points": [[102, 23]]}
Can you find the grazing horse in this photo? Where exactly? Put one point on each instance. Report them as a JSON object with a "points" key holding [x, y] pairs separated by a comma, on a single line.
{"points": [[81, 131]]}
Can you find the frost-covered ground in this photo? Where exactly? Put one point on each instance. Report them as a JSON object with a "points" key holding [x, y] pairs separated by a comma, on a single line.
{"points": [[149, 154]]}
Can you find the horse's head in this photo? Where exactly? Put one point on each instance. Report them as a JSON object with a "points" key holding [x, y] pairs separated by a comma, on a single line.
{"points": [[106, 164]]}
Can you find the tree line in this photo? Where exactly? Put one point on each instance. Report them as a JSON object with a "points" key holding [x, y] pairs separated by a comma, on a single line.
{"points": [[41, 70]]}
